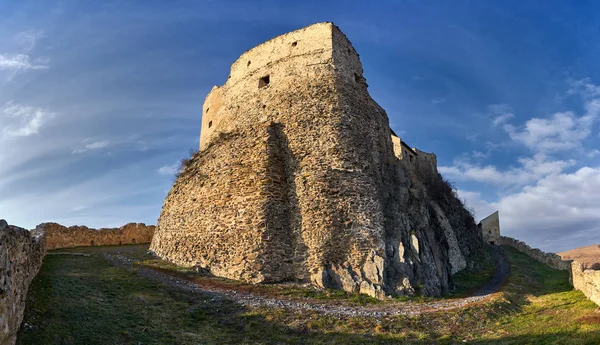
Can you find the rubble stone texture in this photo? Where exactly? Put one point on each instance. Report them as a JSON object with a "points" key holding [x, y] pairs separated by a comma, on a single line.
{"points": [[549, 259], [298, 179], [21, 256], [58, 236], [586, 281]]}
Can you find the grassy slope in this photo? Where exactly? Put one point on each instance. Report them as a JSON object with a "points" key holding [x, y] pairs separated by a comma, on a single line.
{"points": [[85, 300]]}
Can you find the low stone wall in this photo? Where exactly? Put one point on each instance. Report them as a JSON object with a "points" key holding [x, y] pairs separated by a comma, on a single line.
{"points": [[549, 259], [582, 279], [586, 281], [58, 236], [21, 254]]}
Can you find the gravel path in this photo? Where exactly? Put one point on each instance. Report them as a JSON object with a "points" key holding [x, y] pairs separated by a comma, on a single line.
{"points": [[375, 310]]}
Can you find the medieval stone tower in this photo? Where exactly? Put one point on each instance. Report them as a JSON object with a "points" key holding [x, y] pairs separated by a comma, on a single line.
{"points": [[297, 179]]}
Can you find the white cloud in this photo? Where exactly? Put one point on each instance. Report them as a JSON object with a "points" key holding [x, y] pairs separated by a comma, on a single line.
{"points": [[562, 131], [28, 39], [169, 170], [22, 121], [93, 146], [20, 62], [530, 170], [501, 119], [559, 212]]}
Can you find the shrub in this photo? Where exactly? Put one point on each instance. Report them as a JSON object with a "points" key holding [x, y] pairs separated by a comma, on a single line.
{"points": [[185, 162]]}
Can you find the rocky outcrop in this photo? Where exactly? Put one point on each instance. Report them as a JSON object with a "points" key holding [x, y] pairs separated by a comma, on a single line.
{"points": [[58, 236], [297, 179], [550, 259], [21, 256]]}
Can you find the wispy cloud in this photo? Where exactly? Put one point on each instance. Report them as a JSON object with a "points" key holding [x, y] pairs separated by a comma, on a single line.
{"points": [[21, 120], [97, 145], [19, 62], [169, 170], [27, 40]]}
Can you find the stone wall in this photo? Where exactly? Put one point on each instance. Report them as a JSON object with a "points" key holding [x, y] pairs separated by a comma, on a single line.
{"points": [[586, 281], [549, 259], [297, 179], [21, 256], [58, 236]]}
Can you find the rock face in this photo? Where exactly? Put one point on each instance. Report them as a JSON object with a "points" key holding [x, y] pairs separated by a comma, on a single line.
{"points": [[300, 178], [21, 256], [58, 236]]}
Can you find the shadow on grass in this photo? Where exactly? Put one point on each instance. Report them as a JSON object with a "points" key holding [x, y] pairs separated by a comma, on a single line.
{"points": [[86, 300]]}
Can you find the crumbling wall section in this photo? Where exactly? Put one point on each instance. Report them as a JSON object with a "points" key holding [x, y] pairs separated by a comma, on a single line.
{"points": [[58, 236], [586, 281], [549, 259], [21, 255]]}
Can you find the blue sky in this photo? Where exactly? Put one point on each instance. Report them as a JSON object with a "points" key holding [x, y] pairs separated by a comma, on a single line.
{"points": [[100, 99]]}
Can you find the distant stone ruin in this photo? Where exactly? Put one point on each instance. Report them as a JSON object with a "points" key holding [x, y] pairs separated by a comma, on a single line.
{"points": [[490, 228], [300, 178], [57, 236]]}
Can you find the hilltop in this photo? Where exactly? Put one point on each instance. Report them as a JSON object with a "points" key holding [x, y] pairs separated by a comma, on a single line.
{"points": [[588, 255]]}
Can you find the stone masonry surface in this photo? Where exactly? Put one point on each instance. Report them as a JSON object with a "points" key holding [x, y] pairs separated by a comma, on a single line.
{"points": [[21, 256], [298, 179], [58, 236], [586, 281], [490, 228]]}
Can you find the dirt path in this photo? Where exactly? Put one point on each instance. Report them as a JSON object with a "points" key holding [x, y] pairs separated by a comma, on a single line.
{"points": [[328, 307]]}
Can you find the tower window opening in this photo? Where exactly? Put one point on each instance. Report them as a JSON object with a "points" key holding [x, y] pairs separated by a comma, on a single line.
{"points": [[207, 110], [294, 44], [357, 77], [249, 62], [209, 124], [264, 81]]}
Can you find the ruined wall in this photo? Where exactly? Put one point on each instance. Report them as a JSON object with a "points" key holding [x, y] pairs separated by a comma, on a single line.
{"points": [[58, 236], [21, 256], [586, 281], [490, 228], [549, 259], [297, 180]]}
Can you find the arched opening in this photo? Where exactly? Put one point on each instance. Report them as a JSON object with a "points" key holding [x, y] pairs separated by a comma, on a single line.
{"points": [[133, 240], [120, 243], [209, 124], [92, 243]]}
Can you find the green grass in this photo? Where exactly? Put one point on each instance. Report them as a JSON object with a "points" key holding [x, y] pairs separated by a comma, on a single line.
{"points": [[86, 300]]}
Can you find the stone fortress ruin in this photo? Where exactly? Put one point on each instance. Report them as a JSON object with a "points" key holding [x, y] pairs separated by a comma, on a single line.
{"points": [[300, 178]]}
